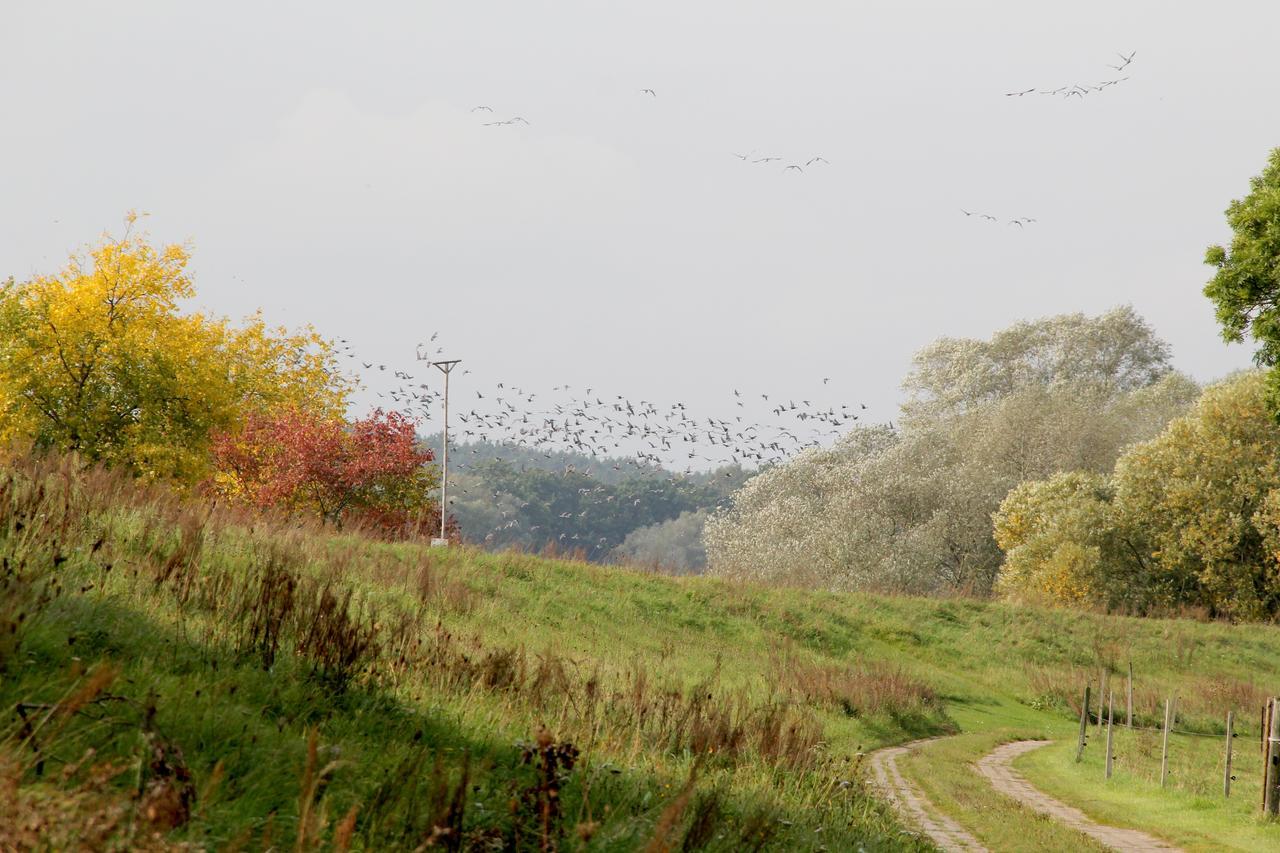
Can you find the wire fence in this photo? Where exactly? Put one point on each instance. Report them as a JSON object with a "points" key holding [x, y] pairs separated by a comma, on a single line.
{"points": [[1222, 771]]}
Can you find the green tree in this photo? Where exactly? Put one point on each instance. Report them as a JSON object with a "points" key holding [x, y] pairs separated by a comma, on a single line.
{"points": [[1245, 290]]}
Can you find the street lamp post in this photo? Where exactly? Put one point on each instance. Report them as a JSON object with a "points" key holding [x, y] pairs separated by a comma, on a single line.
{"points": [[444, 367]]}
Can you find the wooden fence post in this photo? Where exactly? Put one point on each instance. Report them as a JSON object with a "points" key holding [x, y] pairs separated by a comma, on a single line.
{"points": [[1263, 729], [1272, 778], [1164, 746], [1084, 724], [1130, 696], [1102, 694], [1226, 775], [1111, 719]]}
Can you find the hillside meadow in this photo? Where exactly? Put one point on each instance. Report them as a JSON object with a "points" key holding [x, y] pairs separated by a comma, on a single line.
{"points": [[177, 674]]}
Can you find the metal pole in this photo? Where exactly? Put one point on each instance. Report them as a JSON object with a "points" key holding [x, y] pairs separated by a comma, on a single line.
{"points": [[444, 477], [444, 367]]}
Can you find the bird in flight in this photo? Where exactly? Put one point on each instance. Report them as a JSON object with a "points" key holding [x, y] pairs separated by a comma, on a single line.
{"points": [[1018, 94], [742, 157], [813, 160], [1124, 61], [480, 108], [649, 92], [766, 159], [794, 166]]}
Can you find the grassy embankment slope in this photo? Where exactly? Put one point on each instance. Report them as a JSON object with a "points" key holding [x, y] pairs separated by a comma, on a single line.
{"points": [[198, 655]]}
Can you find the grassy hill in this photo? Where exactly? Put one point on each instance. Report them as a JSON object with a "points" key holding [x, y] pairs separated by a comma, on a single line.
{"points": [[177, 674]]}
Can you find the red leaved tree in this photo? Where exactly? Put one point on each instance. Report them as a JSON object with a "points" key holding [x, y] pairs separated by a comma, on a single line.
{"points": [[371, 471]]}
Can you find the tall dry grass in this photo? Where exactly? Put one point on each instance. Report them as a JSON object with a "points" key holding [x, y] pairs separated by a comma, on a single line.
{"points": [[274, 594]]}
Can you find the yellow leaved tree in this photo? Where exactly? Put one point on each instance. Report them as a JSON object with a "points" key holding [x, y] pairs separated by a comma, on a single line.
{"points": [[1190, 518], [1058, 538], [101, 360]]}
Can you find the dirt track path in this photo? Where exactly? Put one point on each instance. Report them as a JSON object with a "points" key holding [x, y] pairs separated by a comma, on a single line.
{"points": [[911, 803], [996, 767]]}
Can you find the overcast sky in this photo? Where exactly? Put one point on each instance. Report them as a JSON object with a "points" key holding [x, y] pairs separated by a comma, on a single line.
{"points": [[325, 164]]}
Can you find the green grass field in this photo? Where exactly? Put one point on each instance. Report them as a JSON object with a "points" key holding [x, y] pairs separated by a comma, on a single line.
{"points": [[1190, 811], [243, 684]]}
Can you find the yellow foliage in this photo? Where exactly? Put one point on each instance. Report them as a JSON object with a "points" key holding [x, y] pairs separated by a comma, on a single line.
{"points": [[1050, 531], [1190, 517], [1199, 495], [99, 359]]}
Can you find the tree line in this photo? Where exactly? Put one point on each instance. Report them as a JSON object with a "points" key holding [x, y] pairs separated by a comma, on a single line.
{"points": [[609, 510], [908, 506], [1063, 459]]}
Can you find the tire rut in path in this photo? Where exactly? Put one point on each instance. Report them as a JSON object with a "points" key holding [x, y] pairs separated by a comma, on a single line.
{"points": [[911, 803], [996, 766]]}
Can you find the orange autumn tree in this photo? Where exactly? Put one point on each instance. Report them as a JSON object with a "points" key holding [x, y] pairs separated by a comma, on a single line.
{"points": [[371, 470]]}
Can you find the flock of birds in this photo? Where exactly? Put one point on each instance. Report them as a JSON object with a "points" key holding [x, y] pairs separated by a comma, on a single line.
{"points": [[588, 422], [1021, 221], [627, 436], [647, 435], [500, 122], [1077, 90], [750, 157], [1074, 90]]}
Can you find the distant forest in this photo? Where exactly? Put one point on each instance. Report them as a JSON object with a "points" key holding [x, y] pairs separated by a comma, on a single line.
{"points": [[611, 509]]}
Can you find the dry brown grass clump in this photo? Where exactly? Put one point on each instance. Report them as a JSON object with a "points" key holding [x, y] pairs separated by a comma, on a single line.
{"points": [[635, 708], [860, 690]]}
